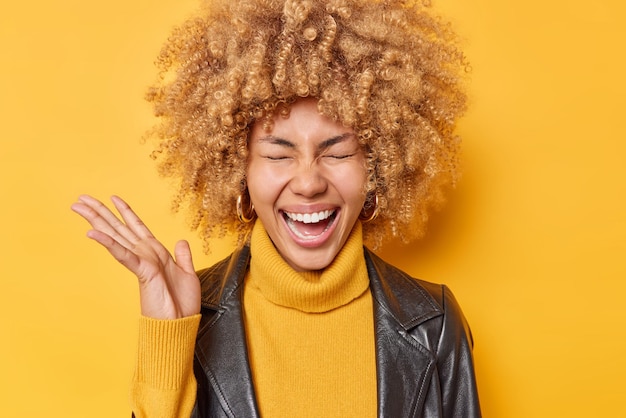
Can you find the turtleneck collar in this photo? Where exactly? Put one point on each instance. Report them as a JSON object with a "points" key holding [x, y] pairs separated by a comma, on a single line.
{"points": [[344, 280]]}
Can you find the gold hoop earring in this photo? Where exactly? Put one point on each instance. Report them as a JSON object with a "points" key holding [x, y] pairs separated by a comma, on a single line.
{"points": [[245, 217], [366, 216]]}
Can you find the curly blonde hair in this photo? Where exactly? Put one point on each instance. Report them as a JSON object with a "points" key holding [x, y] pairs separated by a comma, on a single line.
{"points": [[388, 69]]}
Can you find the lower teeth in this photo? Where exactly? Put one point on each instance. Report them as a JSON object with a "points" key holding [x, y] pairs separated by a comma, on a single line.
{"points": [[292, 227]]}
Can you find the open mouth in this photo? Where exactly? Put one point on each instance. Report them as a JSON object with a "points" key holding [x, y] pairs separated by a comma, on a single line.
{"points": [[308, 226]]}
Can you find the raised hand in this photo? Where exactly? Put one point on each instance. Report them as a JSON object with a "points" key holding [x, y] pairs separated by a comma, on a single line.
{"points": [[168, 287]]}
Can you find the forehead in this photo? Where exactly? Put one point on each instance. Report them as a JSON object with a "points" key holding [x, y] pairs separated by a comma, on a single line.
{"points": [[302, 122]]}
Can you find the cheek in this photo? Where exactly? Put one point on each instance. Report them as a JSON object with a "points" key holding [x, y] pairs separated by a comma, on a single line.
{"points": [[263, 185], [351, 182]]}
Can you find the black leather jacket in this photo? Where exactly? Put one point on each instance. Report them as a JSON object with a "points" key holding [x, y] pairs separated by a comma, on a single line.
{"points": [[423, 346]]}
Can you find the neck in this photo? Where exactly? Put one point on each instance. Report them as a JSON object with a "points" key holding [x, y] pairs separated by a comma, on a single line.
{"points": [[311, 291]]}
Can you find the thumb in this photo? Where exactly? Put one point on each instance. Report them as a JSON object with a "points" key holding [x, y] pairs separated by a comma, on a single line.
{"points": [[182, 255]]}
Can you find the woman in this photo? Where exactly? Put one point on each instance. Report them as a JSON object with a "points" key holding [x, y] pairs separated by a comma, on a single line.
{"points": [[306, 128]]}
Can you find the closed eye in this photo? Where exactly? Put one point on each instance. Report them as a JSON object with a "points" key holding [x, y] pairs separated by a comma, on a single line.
{"points": [[275, 157], [340, 156]]}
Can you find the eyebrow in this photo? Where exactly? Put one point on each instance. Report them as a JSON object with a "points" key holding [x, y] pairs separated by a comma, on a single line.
{"points": [[322, 146]]}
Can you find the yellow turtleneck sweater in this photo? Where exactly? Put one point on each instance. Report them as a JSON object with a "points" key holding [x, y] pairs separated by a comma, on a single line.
{"points": [[310, 340], [310, 335]]}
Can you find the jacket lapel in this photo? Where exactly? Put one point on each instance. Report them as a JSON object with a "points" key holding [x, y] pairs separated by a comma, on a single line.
{"points": [[404, 367], [221, 345]]}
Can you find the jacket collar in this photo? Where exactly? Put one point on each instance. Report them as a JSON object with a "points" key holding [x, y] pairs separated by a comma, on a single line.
{"points": [[403, 365], [399, 294]]}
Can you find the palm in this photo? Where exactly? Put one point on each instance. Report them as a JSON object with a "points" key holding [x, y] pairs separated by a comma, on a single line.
{"points": [[168, 286]]}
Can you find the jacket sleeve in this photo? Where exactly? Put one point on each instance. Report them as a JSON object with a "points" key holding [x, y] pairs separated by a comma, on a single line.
{"points": [[455, 363], [163, 384]]}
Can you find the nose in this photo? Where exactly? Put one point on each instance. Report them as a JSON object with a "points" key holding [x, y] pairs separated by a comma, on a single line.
{"points": [[309, 181]]}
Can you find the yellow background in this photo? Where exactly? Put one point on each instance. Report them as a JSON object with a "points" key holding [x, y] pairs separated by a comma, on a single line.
{"points": [[533, 242]]}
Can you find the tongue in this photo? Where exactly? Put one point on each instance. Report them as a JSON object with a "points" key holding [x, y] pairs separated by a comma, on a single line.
{"points": [[312, 229]]}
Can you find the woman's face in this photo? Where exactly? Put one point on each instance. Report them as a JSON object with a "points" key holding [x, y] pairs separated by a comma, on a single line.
{"points": [[306, 180]]}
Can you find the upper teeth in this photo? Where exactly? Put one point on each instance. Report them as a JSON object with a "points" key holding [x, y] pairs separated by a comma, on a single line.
{"points": [[309, 218]]}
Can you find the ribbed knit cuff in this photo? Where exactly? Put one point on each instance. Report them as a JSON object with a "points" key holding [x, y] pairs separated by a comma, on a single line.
{"points": [[165, 351]]}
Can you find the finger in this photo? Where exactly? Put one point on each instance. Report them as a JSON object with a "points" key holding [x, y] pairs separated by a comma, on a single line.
{"points": [[108, 216], [133, 222], [98, 222], [123, 255], [182, 254], [102, 219]]}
